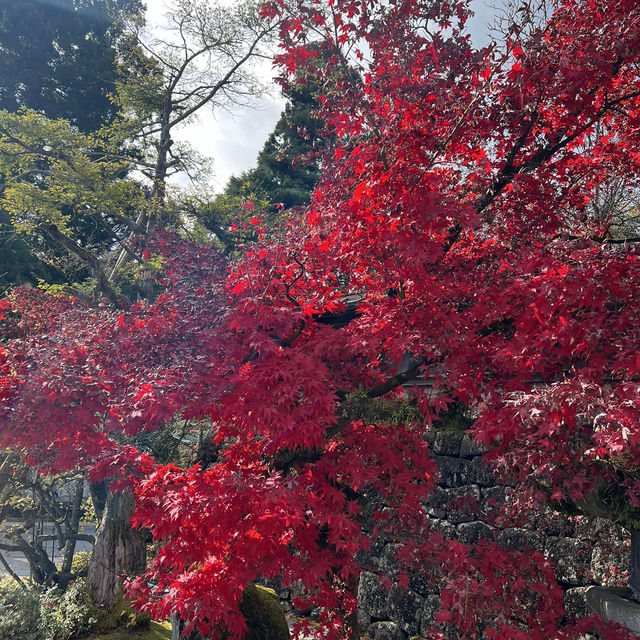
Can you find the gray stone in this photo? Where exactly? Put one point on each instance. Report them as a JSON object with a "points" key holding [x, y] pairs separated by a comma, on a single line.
{"points": [[429, 611], [364, 619], [590, 528], [555, 524], [610, 558], [613, 606], [479, 473], [459, 504], [370, 559], [469, 448], [443, 443], [405, 609], [389, 559], [386, 631], [454, 472], [445, 528], [520, 540], [372, 596], [436, 506], [472, 532], [575, 602], [572, 559], [495, 496]]}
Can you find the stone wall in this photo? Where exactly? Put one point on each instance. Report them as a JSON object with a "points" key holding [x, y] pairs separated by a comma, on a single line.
{"points": [[467, 505]]}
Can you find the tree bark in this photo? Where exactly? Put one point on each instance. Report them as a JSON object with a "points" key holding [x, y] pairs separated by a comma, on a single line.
{"points": [[119, 549]]}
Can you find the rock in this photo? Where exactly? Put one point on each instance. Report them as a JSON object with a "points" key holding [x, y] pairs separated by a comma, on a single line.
{"points": [[445, 528], [364, 619], [454, 472], [479, 473], [572, 559], [443, 443], [459, 504], [469, 448], [590, 528], [520, 540], [389, 559], [265, 618], [372, 596], [472, 532], [405, 609], [429, 611], [385, 631], [609, 559], [613, 606], [575, 602]]}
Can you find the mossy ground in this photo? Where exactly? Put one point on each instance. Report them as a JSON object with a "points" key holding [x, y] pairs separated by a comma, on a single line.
{"points": [[155, 631]]}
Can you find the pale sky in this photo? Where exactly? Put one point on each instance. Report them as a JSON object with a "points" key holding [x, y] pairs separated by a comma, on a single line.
{"points": [[233, 140]]}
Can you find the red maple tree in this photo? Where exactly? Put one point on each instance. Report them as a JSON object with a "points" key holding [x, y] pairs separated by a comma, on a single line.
{"points": [[463, 205]]}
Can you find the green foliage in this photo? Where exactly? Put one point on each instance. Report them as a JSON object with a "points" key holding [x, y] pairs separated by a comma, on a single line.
{"points": [[287, 169], [80, 562], [19, 611], [59, 57], [120, 615], [33, 613], [359, 406], [458, 418], [67, 197]]}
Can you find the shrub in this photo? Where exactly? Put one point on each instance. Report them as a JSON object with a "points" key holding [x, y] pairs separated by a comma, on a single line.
{"points": [[37, 614], [19, 611]]}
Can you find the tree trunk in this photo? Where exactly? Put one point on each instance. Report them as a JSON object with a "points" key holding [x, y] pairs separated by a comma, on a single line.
{"points": [[70, 547], [177, 628], [119, 549]]}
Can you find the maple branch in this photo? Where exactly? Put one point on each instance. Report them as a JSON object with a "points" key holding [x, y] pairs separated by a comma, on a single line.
{"points": [[286, 459]]}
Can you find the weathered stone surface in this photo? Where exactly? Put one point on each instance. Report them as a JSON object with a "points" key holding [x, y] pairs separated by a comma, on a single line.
{"points": [[479, 473], [429, 611], [572, 558], [370, 559], [495, 495], [385, 631], [405, 608], [454, 472], [555, 524], [459, 504], [445, 528], [372, 596], [471, 532], [443, 443], [470, 448], [609, 558], [389, 559], [590, 528], [521, 539], [575, 602], [613, 606], [364, 619]]}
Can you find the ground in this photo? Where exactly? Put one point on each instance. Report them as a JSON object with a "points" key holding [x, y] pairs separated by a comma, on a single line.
{"points": [[155, 631]]}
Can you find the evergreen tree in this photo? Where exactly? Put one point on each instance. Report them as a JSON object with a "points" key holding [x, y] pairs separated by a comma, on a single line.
{"points": [[59, 57], [287, 167]]}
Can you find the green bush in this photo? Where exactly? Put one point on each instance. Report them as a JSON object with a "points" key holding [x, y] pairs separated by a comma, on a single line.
{"points": [[80, 562], [37, 614], [19, 611]]}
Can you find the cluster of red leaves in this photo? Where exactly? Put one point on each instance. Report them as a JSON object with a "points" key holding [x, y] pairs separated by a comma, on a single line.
{"points": [[461, 205]]}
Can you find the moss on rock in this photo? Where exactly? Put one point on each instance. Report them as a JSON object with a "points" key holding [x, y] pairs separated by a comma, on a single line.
{"points": [[264, 615]]}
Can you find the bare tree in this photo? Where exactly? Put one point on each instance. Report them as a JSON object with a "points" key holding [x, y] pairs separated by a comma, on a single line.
{"points": [[205, 59]]}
